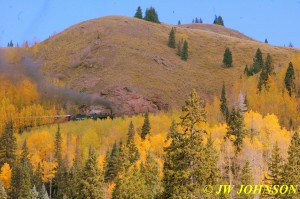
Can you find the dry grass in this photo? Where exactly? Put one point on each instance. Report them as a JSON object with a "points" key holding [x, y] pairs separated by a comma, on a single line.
{"points": [[123, 56]]}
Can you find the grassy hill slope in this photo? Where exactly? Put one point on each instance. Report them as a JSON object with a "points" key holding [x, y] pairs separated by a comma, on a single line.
{"points": [[115, 52]]}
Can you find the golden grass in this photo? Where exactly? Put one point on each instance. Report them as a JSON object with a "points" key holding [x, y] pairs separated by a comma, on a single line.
{"points": [[123, 56]]}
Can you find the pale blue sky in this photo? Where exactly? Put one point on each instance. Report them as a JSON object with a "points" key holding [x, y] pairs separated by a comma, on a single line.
{"points": [[276, 20]]}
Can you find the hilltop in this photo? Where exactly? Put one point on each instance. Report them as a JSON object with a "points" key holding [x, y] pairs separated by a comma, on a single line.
{"points": [[127, 61]]}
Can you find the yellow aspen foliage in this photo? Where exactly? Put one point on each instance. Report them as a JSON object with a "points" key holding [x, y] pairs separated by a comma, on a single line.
{"points": [[48, 170], [5, 175]]}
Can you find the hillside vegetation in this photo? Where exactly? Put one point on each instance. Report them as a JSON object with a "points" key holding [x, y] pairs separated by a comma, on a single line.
{"points": [[104, 54]]}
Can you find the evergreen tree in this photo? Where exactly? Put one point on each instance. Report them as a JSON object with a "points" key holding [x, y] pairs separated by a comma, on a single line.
{"points": [[291, 175], [130, 184], [246, 70], [139, 13], [179, 47], [172, 42], [289, 79], [91, 183], [246, 178], [179, 22], [257, 62], [185, 51], [227, 60], [151, 15], [59, 183], [3, 194], [200, 21], [133, 153], [267, 70], [196, 20], [112, 165], [11, 44], [150, 172], [266, 41], [215, 20], [236, 129], [146, 126], [220, 21], [34, 194], [211, 163], [43, 194], [275, 169], [223, 105], [37, 177], [21, 181], [8, 145]]}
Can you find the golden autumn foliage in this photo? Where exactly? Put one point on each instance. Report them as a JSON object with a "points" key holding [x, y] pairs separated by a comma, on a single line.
{"points": [[5, 175]]}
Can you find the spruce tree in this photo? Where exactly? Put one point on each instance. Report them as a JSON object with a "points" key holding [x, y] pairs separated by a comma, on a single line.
{"points": [[172, 42], [227, 60], [236, 129], [130, 184], [112, 165], [3, 194], [223, 105], [43, 194], [289, 79], [275, 169], [266, 41], [246, 178], [91, 182], [291, 175], [267, 70], [179, 22], [8, 145], [139, 13], [59, 183], [185, 51], [200, 21], [220, 21], [246, 70], [215, 20], [146, 126], [193, 115], [133, 153], [150, 171], [196, 20], [179, 47], [21, 181], [151, 15], [257, 62]]}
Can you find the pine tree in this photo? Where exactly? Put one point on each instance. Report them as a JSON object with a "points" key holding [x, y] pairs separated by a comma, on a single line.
{"points": [[139, 13], [179, 47], [146, 126], [150, 172], [246, 178], [193, 114], [11, 44], [196, 20], [215, 20], [112, 165], [266, 41], [289, 79], [185, 51], [275, 168], [91, 183], [172, 42], [223, 105], [8, 145], [257, 62], [227, 60], [34, 194], [200, 21], [59, 183], [235, 129], [179, 22], [38, 177], [220, 21], [21, 181], [267, 70], [133, 153], [151, 15], [3, 194], [291, 175], [130, 184], [43, 194]]}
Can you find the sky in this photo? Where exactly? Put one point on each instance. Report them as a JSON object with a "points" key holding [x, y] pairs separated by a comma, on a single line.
{"points": [[36, 20]]}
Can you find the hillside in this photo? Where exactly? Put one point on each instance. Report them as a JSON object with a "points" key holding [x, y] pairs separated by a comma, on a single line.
{"points": [[127, 61]]}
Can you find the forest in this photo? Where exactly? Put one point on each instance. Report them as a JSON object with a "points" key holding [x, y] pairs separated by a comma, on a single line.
{"points": [[247, 135]]}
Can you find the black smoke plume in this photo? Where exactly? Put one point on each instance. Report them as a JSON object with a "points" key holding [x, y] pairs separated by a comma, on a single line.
{"points": [[31, 69]]}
